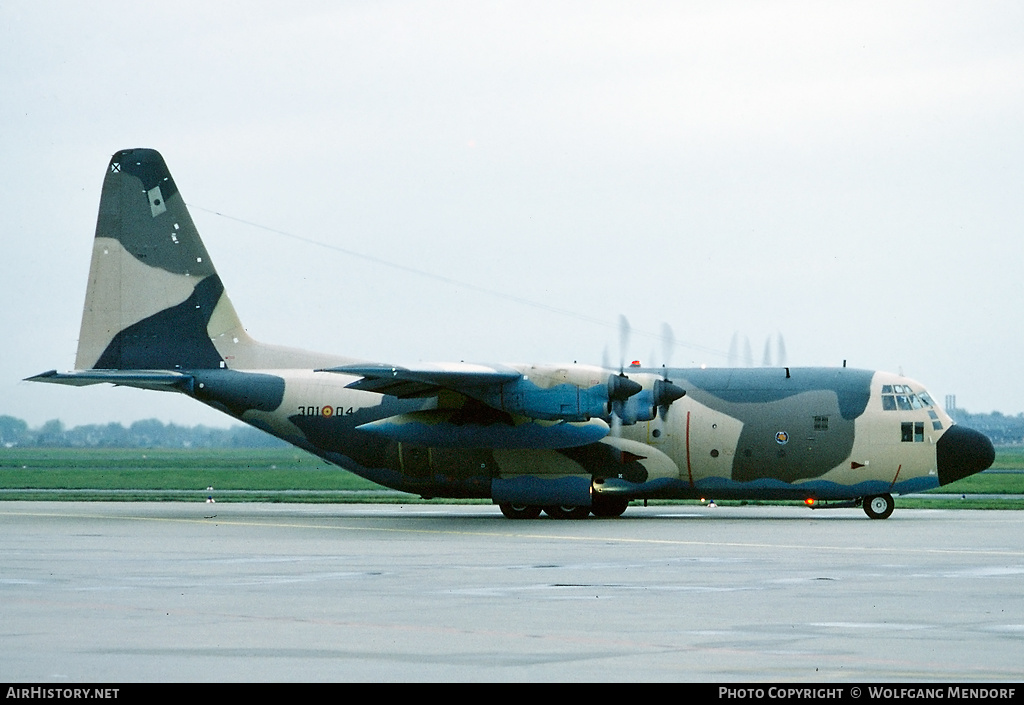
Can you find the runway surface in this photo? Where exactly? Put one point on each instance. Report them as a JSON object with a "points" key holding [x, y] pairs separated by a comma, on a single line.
{"points": [[119, 592]]}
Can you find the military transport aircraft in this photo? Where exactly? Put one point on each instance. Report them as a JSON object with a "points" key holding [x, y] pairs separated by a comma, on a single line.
{"points": [[565, 439]]}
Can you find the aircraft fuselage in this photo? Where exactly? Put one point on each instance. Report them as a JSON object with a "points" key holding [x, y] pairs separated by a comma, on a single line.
{"points": [[799, 433]]}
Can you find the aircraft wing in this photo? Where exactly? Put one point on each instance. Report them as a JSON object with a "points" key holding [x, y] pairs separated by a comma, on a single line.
{"points": [[530, 417], [426, 381]]}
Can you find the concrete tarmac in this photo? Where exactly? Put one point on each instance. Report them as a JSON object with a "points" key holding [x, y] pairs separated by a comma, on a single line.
{"points": [[136, 592]]}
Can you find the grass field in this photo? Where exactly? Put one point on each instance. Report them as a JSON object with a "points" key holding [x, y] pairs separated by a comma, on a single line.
{"points": [[147, 474], [292, 475]]}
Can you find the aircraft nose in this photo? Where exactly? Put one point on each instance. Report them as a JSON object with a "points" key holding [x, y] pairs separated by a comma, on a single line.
{"points": [[961, 452]]}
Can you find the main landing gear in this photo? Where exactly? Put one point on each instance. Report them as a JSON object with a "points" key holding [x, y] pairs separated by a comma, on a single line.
{"points": [[603, 507], [879, 506], [519, 511]]}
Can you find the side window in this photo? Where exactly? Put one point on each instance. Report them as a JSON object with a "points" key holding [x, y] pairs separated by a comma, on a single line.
{"points": [[820, 423], [912, 432]]}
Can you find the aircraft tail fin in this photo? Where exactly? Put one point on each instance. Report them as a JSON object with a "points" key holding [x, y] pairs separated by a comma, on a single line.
{"points": [[154, 300]]}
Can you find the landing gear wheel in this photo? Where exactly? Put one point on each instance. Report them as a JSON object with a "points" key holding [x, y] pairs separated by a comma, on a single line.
{"points": [[519, 511], [879, 506], [609, 507], [561, 511]]}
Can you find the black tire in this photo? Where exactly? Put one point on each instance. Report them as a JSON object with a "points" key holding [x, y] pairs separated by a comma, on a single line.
{"points": [[519, 511], [879, 506], [562, 511], [609, 507]]}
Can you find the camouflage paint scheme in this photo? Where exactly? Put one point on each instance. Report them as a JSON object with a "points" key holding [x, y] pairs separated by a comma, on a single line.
{"points": [[527, 436]]}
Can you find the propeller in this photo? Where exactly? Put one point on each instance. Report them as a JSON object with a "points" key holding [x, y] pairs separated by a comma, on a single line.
{"points": [[665, 392], [780, 356], [621, 387], [668, 344], [623, 341]]}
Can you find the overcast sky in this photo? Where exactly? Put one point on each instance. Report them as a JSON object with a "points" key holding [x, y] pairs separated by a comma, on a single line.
{"points": [[846, 175]]}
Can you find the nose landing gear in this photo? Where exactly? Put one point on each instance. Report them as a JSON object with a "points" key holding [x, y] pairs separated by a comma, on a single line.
{"points": [[879, 506]]}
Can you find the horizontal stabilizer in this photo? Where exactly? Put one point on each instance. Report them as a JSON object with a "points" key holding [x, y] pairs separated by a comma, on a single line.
{"points": [[161, 380]]}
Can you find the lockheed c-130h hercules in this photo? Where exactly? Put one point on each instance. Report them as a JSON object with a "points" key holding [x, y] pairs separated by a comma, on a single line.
{"points": [[568, 440]]}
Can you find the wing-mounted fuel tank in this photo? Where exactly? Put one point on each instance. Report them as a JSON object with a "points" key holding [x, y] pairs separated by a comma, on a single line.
{"points": [[451, 428]]}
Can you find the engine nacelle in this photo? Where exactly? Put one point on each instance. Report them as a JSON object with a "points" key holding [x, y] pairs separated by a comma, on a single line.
{"points": [[558, 392], [655, 393]]}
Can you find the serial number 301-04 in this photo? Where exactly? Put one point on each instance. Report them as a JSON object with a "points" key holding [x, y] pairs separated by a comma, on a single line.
{"points": [[326, 411]]}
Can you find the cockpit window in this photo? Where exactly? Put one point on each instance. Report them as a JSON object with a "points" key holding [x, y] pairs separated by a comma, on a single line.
{"points": [[902, 398]]}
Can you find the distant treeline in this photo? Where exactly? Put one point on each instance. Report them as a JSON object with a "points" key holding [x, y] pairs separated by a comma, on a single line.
{"points": [[1001, 430], [151, 433]]}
